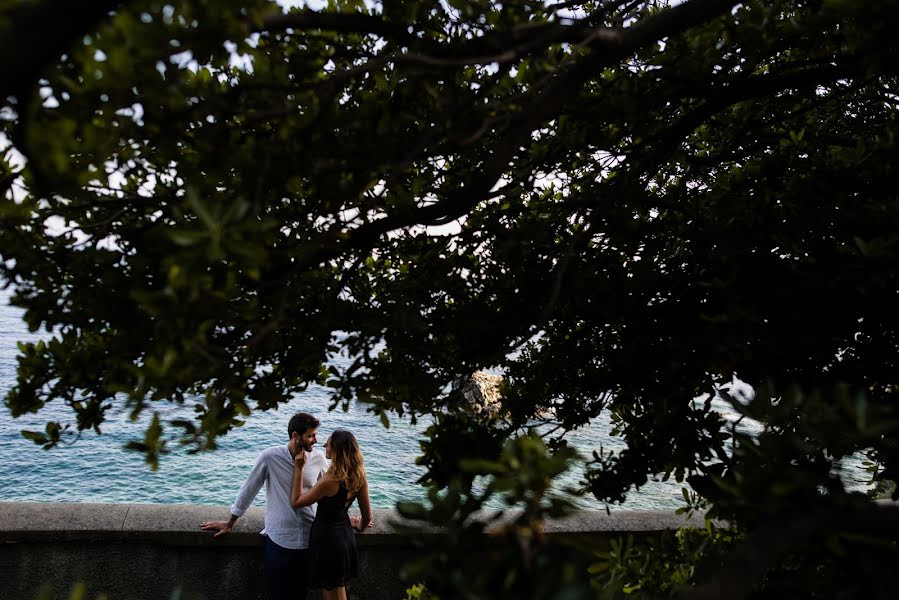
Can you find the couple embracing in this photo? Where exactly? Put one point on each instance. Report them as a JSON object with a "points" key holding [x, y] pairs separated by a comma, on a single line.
{"points": [[309, 536]]}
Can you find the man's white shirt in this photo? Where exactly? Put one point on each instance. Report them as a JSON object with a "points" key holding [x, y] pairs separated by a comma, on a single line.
{"points": [[285, 525]]}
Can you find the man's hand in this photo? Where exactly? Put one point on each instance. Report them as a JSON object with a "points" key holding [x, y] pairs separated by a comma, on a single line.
{"points": [[355, 522], [220, 527]]}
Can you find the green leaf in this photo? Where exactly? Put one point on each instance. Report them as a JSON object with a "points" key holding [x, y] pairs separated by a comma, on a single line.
{"points": [[35, 436]]}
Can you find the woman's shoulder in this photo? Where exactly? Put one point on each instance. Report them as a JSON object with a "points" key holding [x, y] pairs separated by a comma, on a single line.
{"points": [[330, 484]]}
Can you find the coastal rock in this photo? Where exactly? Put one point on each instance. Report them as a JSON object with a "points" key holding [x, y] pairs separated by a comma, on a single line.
{"points": [[481, 391]]}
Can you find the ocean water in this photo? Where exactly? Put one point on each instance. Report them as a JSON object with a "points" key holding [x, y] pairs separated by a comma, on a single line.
{"points": [[96, 468]]}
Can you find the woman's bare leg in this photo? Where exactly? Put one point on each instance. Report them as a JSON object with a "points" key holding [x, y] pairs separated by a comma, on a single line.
{"points": [[335, 594]]}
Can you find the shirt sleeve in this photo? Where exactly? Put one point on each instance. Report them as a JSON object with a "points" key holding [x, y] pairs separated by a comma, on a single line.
{"points": [[250, 487]]}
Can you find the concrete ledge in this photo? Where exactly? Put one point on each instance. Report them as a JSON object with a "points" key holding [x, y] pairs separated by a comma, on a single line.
{"points": [[146, 551], [179, 523]]}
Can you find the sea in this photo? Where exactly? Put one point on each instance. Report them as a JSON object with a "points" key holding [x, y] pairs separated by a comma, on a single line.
{"points": [[97, 468]]}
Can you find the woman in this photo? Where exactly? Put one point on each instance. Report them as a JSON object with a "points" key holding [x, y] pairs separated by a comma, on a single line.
{"points": [[332, 545]]}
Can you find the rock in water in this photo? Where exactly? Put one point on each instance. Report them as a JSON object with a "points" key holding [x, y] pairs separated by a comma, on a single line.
{"points": [[481, 390]]}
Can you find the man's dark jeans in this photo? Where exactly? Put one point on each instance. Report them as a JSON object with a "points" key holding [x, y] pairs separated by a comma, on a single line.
{"points": [[285, 572]]}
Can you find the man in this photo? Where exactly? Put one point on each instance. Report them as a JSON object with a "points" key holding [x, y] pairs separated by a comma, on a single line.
{"points": [[286, 529]]}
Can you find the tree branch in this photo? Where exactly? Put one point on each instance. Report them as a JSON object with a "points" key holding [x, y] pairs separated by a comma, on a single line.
{"points": [[609, 46], [37, 33], [339, 22], [719, 99]]}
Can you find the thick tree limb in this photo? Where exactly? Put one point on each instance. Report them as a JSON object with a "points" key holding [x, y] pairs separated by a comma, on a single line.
{"points": [[657, 149], [500, 46], [34, 34], [338, 22], [609, 46]]}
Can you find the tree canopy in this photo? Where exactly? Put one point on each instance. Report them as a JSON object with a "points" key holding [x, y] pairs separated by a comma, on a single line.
{"points": [[620, 204]]}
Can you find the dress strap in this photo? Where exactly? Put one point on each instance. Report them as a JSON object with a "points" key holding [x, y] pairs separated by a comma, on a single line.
{"points": [[350, 499]]}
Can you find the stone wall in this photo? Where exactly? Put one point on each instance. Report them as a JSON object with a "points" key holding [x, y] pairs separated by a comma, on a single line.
{"points": [[157, 552]]}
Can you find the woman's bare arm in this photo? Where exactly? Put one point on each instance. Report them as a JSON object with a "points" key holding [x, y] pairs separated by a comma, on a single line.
{"points": [[364, 507], [326, 486]]}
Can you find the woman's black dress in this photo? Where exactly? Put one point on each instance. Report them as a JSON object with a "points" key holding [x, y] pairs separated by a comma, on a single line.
{"points": [[332, 544]]}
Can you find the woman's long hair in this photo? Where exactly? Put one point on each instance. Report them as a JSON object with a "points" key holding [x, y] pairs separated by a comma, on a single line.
{"points": [[347, 464]]}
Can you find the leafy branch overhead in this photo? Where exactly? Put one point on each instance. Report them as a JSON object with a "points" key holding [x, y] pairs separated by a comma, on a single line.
{"points": [[224, 262], [621, 204]]}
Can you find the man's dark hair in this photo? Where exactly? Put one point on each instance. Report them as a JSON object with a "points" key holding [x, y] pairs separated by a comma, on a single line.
{"points": [[301, 423]]}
